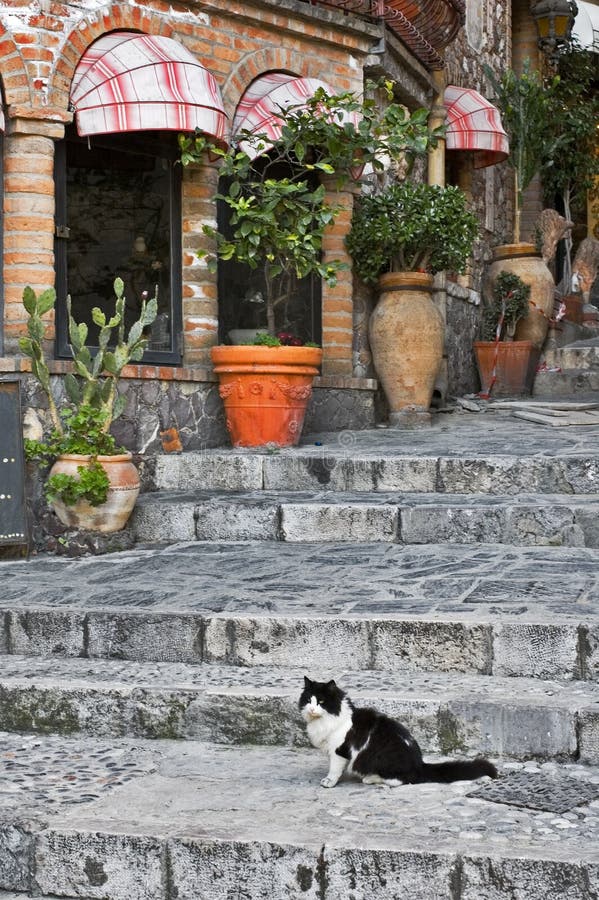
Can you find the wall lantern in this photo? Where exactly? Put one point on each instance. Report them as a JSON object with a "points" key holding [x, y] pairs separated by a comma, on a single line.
{"points": [[554, 20]]}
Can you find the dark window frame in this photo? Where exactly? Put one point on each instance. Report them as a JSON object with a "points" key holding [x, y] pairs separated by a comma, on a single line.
{"points": [[171, 357]]}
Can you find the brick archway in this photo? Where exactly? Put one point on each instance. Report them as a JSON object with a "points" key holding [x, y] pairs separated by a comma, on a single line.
{"points": [[262, 61], [13, 72], [119, 17]]}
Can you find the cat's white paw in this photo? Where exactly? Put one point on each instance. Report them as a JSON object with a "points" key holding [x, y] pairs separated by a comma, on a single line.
{"points": [[328, 782]]}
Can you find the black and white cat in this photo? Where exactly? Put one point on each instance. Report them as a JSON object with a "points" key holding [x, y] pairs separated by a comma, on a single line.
{"points": [[377, 748]]}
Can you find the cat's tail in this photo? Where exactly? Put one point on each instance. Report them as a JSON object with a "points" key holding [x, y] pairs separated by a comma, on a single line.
{"points": [[445, 772]]}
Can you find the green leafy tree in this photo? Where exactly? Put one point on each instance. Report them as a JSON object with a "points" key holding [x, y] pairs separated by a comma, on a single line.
{"points": [[523, 101], [278, 222], [569, 162], [411, 227]]}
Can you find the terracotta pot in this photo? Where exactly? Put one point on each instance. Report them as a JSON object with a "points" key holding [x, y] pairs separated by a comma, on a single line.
{"points": [[265, 391], [514, 363], [525, 261], [122, 493], [406, 337]]}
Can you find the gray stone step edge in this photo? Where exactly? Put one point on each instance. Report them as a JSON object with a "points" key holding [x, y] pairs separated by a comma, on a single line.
{"points": [[544, 521], [567, 649], [453, 716], [300, 471], [97, 862]]}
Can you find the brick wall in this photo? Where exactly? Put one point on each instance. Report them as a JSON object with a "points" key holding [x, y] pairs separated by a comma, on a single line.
{"points": [[39, 51]]}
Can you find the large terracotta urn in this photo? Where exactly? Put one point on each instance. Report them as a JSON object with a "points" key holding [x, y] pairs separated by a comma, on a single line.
{"points": [[265, 391], [122, 493], [525, 261], [406, 337]]}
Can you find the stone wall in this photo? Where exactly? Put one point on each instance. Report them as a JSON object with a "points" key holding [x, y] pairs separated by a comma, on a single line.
{"points": [[462, 329]]}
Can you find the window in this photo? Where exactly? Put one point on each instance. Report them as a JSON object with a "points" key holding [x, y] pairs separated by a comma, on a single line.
{"points": [[118, 213]]}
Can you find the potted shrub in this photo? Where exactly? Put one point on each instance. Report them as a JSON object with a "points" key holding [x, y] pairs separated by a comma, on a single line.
{"points": [[398, 240], [523, 101], [278, 216], [506, 366], [92, 484]]}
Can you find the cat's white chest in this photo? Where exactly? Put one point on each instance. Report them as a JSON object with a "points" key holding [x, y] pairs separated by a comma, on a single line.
{"points": [[328, 732]]}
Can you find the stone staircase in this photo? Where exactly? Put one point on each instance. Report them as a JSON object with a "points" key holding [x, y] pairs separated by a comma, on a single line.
{"points": [[149, 733], [572, 371]]}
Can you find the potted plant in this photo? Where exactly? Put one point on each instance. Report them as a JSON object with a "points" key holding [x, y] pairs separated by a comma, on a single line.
{"points": [[278, 216], [569, 162], [523, 100], [92, 484], [399, 239], [506, 366]]}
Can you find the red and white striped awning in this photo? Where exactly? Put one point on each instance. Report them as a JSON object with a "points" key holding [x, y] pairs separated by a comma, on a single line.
{"points": [[474, 124], [138, 82], [259, 109]]}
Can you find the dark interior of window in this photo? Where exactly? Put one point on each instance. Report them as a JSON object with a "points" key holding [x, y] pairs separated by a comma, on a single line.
{"points": [[118, 214], [241, 289]]}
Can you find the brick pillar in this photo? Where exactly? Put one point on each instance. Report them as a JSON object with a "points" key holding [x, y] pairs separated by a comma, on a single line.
{"points": [[28, 219], [200, 298], [337, 302]]}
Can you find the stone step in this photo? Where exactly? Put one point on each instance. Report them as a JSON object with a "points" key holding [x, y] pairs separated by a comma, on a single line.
{"points": [[170, 821], [568, 383], [418, 468], [580, 355], [447, 713], [537, 520], [562, 647]]}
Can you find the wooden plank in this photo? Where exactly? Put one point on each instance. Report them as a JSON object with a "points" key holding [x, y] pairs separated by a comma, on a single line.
{"points": [[543, 404], [557, 421]]}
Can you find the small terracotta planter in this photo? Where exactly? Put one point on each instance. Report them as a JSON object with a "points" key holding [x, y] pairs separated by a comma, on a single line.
{"points": [[265, 391], [122, 493], [515, 365]]}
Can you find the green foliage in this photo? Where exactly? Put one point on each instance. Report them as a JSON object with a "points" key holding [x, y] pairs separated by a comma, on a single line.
{"points": [[523, 101], [91, 485], [570, 162], [83, 427], [263, 339], [509, 305], [279, 222], [411, 227]]}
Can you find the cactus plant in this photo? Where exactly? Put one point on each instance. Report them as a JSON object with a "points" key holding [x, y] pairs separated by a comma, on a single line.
{"points": [[83, 426]]}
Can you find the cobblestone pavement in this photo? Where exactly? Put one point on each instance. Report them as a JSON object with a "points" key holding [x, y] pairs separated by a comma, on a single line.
{"points": [[173, 789]]}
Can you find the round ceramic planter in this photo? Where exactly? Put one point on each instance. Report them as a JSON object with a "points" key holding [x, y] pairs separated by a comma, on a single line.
{"points": [[122, 493], [525, 261], [265, 391], [406, 338]]}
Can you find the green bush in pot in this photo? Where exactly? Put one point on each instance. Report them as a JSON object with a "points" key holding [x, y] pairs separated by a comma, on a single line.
{"points": [[409, 228]]}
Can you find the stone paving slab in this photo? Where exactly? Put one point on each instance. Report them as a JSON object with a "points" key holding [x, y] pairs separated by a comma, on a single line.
{"points": [[307, 579], [204, 819], [518, 717], [543, 519]]}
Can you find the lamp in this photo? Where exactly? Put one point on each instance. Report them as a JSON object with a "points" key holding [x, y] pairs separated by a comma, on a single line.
{"points": [[554, 20]]}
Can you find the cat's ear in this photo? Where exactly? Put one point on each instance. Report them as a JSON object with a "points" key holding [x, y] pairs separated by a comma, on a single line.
{"points": [[331, 684], [307, 681]]}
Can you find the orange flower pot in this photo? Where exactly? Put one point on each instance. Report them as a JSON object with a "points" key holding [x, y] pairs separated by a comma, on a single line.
{"points": [[265, 391], [514, 363]]}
